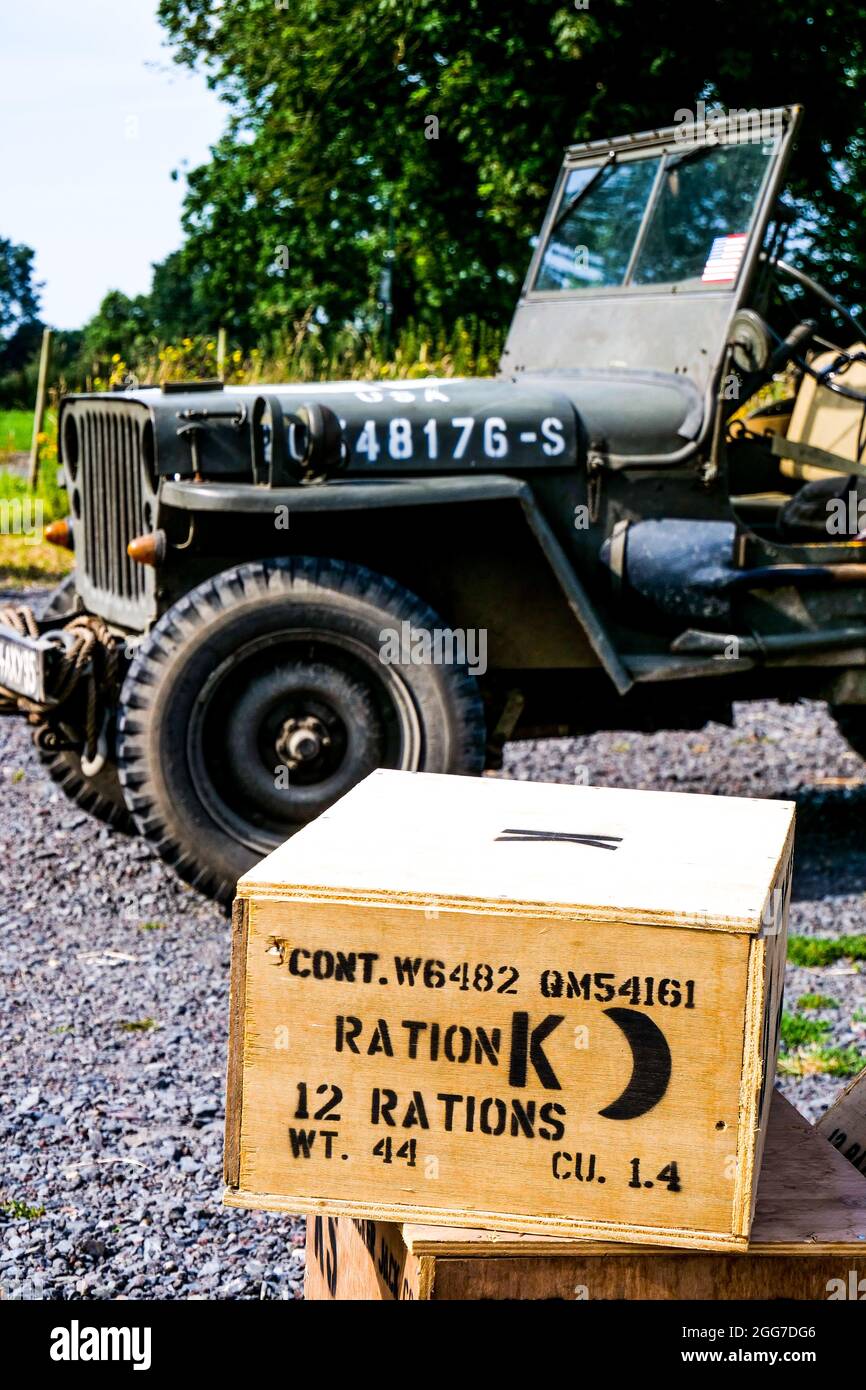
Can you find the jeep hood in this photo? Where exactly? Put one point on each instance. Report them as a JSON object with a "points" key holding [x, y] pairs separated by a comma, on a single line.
{"points": [[435, 425]]}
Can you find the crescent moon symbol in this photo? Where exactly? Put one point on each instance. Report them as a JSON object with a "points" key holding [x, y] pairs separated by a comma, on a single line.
{"points": [[651, 1065]]}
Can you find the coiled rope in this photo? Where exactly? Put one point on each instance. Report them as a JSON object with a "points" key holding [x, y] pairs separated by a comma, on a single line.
{"points": [[92, 655]]}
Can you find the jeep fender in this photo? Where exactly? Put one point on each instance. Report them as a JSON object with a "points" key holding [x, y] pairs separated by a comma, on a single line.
{"points": [[247, 498]]}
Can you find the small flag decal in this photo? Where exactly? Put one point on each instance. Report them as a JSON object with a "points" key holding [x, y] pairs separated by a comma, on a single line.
{"points": [[724, 259]]}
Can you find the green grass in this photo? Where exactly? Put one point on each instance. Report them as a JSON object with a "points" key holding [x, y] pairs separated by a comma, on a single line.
{"points": [[25, 558], [816, 1001], [20, 1211], [825, 950], [798, 1031], [152, 926], [13, 487], [469, 348], [16, 430], [23, 564], [137, 1025], [824, 1061]]}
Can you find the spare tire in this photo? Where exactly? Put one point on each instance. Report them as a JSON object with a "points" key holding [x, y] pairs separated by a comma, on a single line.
{"points": [[262, 696]]}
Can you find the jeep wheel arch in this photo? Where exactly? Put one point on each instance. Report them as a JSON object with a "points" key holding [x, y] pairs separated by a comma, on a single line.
{"points": [[337, 506]]}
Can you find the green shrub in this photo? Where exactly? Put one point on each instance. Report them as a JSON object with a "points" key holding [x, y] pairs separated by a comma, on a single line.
{"points": [[797, 1031], [816, 1001], [824, 950]]}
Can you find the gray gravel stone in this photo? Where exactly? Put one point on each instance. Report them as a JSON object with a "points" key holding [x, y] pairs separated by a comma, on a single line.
{"points": [[117, 1133]]}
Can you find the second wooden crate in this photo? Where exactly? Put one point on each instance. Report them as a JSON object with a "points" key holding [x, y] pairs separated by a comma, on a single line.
{"points": [[808, 1242]]}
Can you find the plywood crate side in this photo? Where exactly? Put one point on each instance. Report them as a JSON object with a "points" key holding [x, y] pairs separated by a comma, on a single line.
{"points": [[235, 1061], [775, 938], [773, 943], [565, 1070], [760, 1050], [718, 965], [367, 1261], [844, 1124], [750, 1080]]}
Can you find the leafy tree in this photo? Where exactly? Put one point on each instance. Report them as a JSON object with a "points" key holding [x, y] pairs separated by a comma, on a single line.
{"points": [[21, 345], [19, 294], [327, 168], [178, 300], [118, 326], [19, 363]]}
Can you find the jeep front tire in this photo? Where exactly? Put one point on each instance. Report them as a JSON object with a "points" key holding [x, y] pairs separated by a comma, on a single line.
{"points": [[261, 697]]}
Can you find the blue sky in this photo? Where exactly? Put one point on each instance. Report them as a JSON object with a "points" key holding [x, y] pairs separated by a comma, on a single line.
{"points": [[94, 116]]}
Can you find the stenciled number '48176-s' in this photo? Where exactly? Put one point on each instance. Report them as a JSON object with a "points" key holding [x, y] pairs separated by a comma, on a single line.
{"points": [[279, 588]]}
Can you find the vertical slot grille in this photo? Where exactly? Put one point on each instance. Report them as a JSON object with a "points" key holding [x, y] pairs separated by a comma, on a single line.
{"points": [[110, 494]]}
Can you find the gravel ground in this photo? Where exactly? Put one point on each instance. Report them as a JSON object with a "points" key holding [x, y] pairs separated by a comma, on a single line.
{"points": [[113, 1021]]}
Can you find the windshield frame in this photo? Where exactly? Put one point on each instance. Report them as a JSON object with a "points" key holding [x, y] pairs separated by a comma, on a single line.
{"points": [[668, 150]]}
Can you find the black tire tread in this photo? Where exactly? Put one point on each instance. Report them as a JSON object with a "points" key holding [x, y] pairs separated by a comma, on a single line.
{"points": [[225, 592]]}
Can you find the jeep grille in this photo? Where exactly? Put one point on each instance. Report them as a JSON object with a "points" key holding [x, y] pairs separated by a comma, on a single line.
{"points": [[107, 453]]}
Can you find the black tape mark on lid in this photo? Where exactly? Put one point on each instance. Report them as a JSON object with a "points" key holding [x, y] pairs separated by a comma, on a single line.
{"points": [[611, 842]]}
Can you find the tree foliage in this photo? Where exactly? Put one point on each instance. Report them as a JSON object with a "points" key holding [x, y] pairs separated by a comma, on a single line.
{"points": [[19, 294], [327, 170], [20, 328], [120, 322]]}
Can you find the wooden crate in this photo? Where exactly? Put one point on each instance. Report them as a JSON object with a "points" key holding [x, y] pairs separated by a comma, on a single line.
{"points": [[808, 1241], [844, 1124], [503, 1004]]}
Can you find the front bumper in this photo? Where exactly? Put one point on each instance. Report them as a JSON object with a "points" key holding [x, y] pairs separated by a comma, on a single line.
{"points": [[29, 666]]}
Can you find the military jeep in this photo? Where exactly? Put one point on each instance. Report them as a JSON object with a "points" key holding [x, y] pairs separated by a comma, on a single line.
{"points": [[652, 511]]}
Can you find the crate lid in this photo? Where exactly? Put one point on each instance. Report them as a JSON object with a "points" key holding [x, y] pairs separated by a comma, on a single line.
{"points": [[487, 844]]}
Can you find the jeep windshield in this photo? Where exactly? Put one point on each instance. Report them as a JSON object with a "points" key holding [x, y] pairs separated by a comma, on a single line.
{"points": [[665, 219]]}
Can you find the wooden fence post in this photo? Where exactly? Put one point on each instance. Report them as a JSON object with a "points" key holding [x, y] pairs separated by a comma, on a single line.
{"points": [[39, 413], [221, 354]]}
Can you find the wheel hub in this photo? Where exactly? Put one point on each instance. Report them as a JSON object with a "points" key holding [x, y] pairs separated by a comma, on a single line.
{"points": [[301, 741], [284, 728]]}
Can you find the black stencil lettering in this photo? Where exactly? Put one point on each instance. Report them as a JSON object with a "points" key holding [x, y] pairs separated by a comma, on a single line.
{"points": [[348, 1028], [381, 1040], [449, 1101], [414, 1028], [527, 1047], [302, 1141], [383, 1105], [651, 1065]]}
